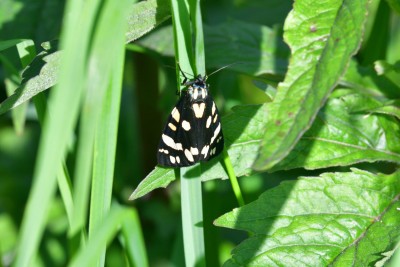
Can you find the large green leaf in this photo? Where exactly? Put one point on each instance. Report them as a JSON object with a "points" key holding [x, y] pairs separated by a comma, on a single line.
{"points": [[336, 219], [258, 49], [145, 16], [322, 36], [340, 136]]}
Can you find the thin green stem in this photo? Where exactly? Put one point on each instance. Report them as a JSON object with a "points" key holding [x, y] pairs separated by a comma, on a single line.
{"points": [[233, 178]]}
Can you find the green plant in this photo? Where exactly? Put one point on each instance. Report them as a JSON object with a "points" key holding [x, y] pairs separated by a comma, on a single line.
{"points": [[320, 142]]}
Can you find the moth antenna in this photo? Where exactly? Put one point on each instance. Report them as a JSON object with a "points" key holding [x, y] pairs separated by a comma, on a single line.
{"points": [[183, 73], [224, 67]]}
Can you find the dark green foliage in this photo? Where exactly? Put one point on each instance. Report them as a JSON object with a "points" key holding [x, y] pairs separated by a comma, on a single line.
{"points": [[317, 148]]}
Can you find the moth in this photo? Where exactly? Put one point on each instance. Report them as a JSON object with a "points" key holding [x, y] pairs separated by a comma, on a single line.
{"points": [[193, 130]]}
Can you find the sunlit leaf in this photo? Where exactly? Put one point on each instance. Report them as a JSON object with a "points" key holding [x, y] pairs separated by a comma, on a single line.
{"points": [[336, 219]]}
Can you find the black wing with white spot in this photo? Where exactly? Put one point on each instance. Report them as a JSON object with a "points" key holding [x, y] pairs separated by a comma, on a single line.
{"points": [[193, 131]]}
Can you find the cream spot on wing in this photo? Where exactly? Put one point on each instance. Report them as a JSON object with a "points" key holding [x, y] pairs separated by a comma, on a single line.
{"points": [[170, 142], [189, 155], [176, 115], [199, 109], [194, 151], [204, 151], [172, 159], [173, 127], [215, 118], [208, 123], [216, 132], [178, 146], [213, 109], [203, 93], [195, 94], [178, 160], [164, 151], [186, 125]]}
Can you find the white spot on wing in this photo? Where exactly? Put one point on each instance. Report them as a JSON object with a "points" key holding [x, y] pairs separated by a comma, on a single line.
{"points": [[204, 151], [195, 94], [172, 159], [194, 151], [216, 132], [213, 109], [208, 122], [176, 115], [189, 155], [186, 125], [164, 151], [178, 159], [173, 127], [199, 109], [170, 142], [215, 118]]}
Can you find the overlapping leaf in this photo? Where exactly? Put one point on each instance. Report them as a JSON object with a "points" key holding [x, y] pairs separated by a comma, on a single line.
{"points": [[322, 36], [40, 75], [145, 16], [336, 219]]}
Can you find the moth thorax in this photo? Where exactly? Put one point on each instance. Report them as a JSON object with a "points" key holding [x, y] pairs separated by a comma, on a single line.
{"points": [[197, 93]]}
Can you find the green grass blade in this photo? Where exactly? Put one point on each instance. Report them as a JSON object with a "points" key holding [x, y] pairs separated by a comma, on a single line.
{"points": [[182, 36], [64, 103], [107, 128], [133, 241], [56, 131], [63, 179], [191, 198], [192, 217], [197, 29], [102, 235], [102, 62]]}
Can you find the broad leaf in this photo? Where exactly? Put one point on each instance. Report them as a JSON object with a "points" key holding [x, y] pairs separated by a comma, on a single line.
{"points": [[336, 219], [158, 178], [258, 50], [322, 36], [40, 75], [145, 16]]}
